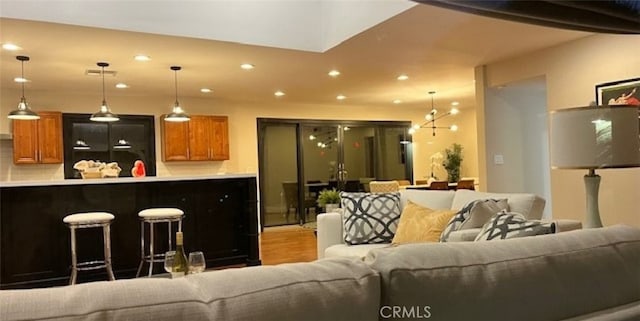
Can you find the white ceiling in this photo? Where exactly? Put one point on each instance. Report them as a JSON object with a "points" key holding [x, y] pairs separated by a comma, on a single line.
{"points": [[310, 25], [437, 48]]}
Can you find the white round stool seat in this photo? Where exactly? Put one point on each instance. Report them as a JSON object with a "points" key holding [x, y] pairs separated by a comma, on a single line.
{"points": [[90, 217], [158, 213]]}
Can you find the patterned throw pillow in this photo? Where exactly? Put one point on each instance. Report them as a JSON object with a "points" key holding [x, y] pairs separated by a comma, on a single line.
{"points": [[421, 224], [473, 215], [370, 218], [507, 225]]}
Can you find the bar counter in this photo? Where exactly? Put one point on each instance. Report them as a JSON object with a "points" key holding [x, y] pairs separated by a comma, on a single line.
{"points": [[220, 220]]}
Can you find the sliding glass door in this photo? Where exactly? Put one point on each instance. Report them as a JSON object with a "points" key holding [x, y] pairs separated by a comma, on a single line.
{"points": [[300, 158]]}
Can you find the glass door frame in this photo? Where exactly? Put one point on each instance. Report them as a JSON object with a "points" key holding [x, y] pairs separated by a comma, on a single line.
{"points": [[263, 123]]}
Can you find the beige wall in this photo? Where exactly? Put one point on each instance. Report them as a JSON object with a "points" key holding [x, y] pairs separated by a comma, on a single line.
{"points": [[242, 128], [572, 70]]}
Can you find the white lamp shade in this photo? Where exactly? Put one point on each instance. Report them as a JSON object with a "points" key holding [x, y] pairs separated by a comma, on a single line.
{"points": [[595, 137]]}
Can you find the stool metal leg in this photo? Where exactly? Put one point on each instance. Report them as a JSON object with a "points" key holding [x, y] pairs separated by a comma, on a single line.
{"points": [[170, 235], [106, 230], [74, 258], [141, 248], [180, 225], [151, 255]]}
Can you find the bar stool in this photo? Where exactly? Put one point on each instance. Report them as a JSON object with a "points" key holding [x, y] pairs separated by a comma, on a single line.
{"points": [[153, 216], [89, 220]]}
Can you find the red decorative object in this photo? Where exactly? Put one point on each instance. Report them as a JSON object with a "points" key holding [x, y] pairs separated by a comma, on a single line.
{"points": [[138, 169]]}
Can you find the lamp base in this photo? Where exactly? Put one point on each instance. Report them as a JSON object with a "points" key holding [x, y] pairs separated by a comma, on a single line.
{"points": [[592, 185]]}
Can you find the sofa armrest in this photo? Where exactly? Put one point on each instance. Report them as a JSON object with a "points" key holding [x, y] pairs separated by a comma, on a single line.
{"points": [[329, 231], [466, 235], [567, 225]]}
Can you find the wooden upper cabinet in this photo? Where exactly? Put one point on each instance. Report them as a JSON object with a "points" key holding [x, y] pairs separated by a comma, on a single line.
{"points": [[38, 141], [175, 140], [50, 138], [201, 138], [219, 137]]}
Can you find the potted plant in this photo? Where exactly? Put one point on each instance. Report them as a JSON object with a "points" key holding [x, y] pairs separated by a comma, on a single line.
{"points": [[329, 199], [452, 161]]}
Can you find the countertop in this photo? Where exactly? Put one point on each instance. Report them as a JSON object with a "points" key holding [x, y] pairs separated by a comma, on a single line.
{"points": [[123, 180]]}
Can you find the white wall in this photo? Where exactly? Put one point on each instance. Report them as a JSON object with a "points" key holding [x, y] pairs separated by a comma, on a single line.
{"points": [[518, 133], [572, 71]]}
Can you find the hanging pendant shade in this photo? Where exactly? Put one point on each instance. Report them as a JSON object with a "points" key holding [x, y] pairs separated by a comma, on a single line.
{"points": [[105, 114], [177, 113], [23, 111]]}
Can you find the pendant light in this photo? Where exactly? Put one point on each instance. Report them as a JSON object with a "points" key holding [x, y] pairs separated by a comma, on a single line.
{"points": [[23, 112], [104, 115], [177, 114]]}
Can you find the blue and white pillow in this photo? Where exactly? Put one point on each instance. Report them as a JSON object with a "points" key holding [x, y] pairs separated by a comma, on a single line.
{"points": [[370, 218], [507, 225], [473, 215]]}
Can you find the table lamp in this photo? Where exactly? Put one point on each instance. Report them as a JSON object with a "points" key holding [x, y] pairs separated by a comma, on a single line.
{"points": [[591, 138]]}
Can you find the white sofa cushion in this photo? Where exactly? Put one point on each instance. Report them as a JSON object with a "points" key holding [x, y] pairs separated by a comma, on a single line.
{"points": [[336, 289], [547, 277], [342, 250], [436, 200], [529, 205]]}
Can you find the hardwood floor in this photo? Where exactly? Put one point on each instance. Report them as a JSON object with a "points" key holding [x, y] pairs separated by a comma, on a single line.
{"points": [[287, 244]]}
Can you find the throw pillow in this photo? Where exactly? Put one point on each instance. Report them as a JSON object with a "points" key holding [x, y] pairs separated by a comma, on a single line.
{"points": [[473, 215], [370, 218], [507, 225], [421, 224]]}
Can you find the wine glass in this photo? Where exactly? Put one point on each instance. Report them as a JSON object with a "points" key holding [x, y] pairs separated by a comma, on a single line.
{"points": [[168, 260], [196, 262]]}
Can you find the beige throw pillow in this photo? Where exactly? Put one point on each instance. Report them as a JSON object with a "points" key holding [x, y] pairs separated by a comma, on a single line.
{"points": [[421, 224]]}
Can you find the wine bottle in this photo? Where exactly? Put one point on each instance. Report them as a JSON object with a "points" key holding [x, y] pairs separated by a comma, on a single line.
{"points": [[180, 265]]}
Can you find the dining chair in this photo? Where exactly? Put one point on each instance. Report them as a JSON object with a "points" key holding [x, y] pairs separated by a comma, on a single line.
{"points": [[466, 184], [439, 185], [291, 199], [384, 186]]}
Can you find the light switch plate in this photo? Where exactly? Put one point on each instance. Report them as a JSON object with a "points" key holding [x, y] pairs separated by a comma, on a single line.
{"points": [[498, 159]]}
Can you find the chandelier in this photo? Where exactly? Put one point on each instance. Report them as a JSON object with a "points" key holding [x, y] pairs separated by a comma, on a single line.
{"points": [[431, 118]]}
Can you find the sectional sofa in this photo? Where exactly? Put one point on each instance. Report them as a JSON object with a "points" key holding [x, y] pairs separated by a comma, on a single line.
{"points": [[578, 275], [330, 225]]}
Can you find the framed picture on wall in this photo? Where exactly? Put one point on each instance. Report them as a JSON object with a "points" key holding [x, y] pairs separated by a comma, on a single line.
{"points": [[621, 92]]}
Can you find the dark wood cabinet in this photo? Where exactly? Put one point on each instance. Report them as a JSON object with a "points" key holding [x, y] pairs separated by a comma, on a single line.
{"points": [[88, 140], [203, 138], [38, 141], [220, 220]]}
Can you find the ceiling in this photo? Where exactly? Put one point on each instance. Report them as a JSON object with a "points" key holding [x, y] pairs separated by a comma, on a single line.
{"points": [[437, 48]]}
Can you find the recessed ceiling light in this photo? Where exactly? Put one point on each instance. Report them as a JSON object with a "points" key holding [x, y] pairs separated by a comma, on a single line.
{"points": [[341, 97], [397, 101], [20, 79], [279, 93], [142, 58], [247, 66], [10, 46], [121, 85], [455, 103], [334, 73], [403, 77], [205, 90]]}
